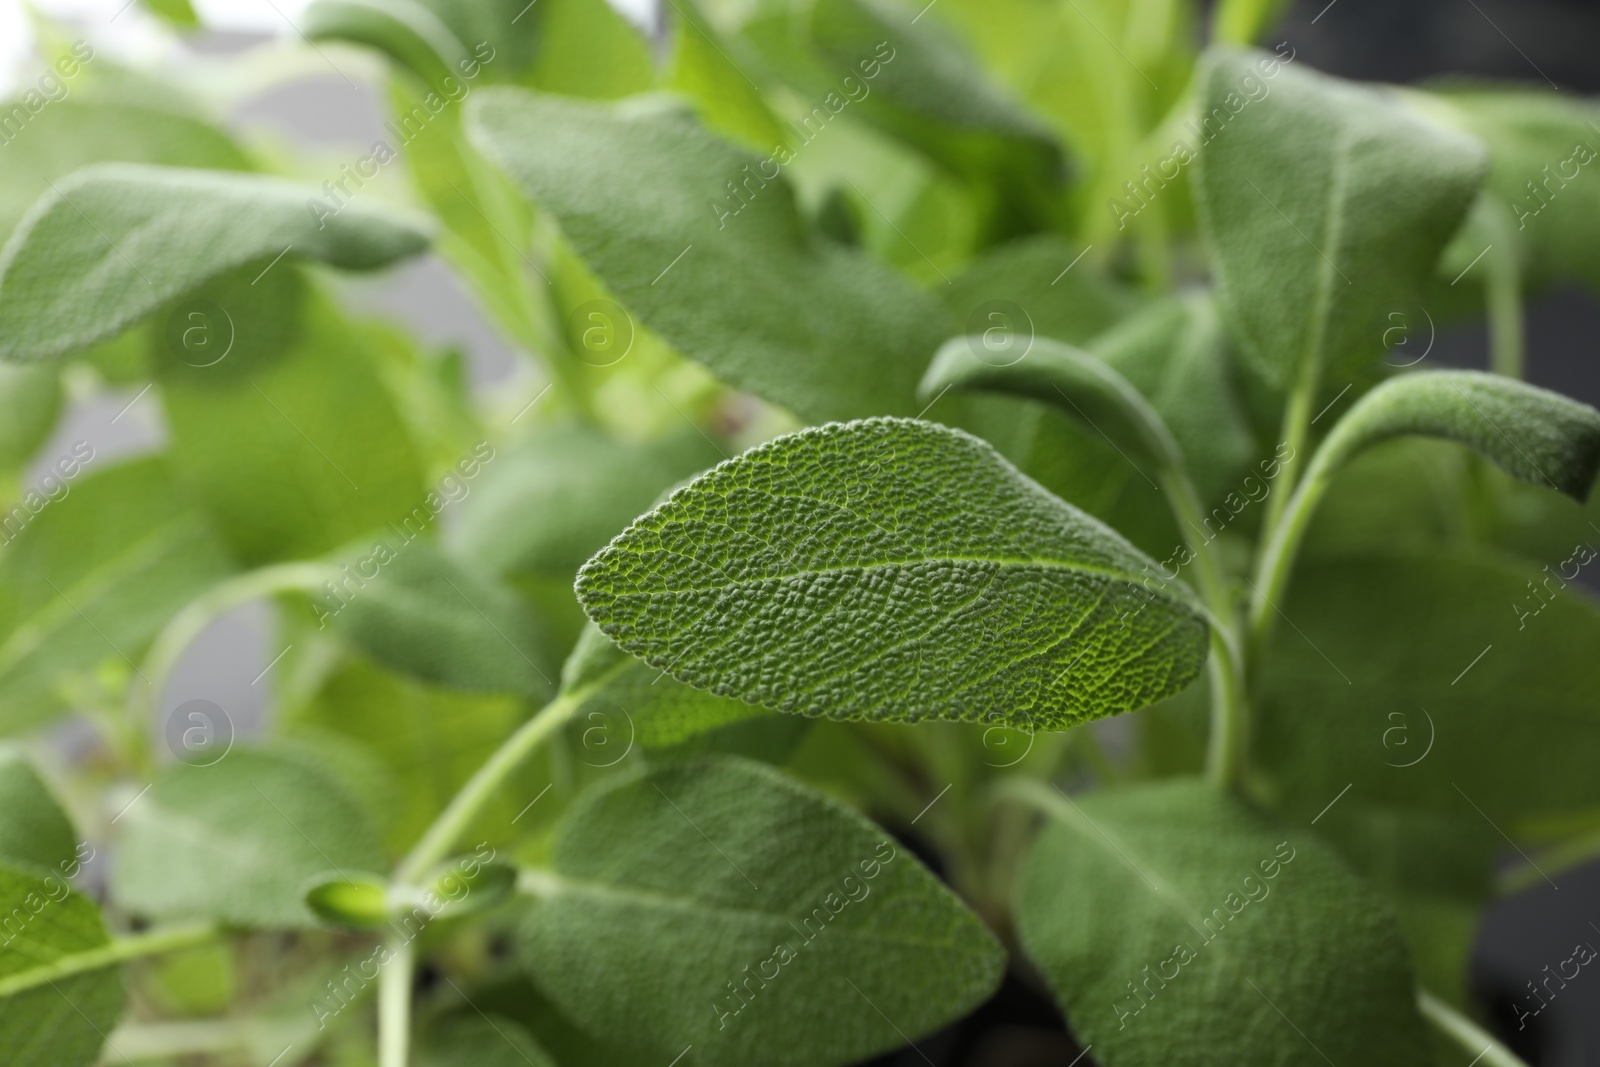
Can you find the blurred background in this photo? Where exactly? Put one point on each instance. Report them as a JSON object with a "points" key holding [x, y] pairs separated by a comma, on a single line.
{"points": [[335, 114]]}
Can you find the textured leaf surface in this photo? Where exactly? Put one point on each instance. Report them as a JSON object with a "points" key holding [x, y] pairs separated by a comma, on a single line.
{"points": [[661, 711], [112, 242], [427, 616], [1176, 926], [238, 840], [721, 289], [61, 1022], [482, 1041], [895, 570], [92, 577], [35, 831], [672, 884], [1528, 432], [1324, 206]]}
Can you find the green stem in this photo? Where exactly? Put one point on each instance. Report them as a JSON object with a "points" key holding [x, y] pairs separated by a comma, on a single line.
{"points": [[1466, 1033], [436, 843], [1504, 295], [1296, 431], [1277, 558], [394, 1005], [118, 950], [191, 621]]}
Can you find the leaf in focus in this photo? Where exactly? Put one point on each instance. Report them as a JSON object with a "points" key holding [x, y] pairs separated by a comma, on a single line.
{"points": [[893, 570], [1324, 206], [91, 577], [423, 614], [48, 1020], [674, 887], [660, 711], [660, 247], [1177, 926], [1528, 432], [35, 832], [112, 242], [238, 840]]}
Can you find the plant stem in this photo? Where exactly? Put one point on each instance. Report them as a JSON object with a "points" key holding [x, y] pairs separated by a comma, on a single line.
{"points": [[1296, 430], [1504, 294], [1466, 1033], [394, 1005], [436, 843], [1278, 555], [191, 621], [118, 950]]}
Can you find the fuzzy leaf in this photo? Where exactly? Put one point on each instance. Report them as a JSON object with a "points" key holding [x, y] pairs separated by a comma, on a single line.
{"points": [[113, 242], [1324, 206], [49, 1019], [662, 246], [1176, 926], [892, 570], [237, 841], [672, 887], [1528, 432], [35, 832]]}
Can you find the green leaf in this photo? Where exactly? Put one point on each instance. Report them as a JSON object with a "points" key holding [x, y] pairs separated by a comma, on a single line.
{"points": [[405, 30], [586, 48], [660, 249], [701, 69], [675, 893], [91, 577], [36, 832], [1176, 926], [1528, 432], [178, 13], [1077, 384], [113, 242], [1071, 305], [30, 402], [474, 1040], [48, 1019], [622, 691], [358, 902], [1492, 660], [238, 840], [427, 616], [1324, 206], [892, 570]]}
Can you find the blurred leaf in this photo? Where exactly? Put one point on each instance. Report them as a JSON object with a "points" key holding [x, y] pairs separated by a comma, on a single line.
{"points": [[586, 48], [674, 888], [360, 903], [46, 1019], [36, 833], [1324, 205], [93, 577], [1060, 295], [112, 242], [405, 30], [237, 841], [1124, 893], [178, 13], [725, 98], [658, 248], [476, 1040], [30, 403], [875, 570]]}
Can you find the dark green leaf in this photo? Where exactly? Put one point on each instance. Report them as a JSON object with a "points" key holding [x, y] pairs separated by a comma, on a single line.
{"points": [[722, 905], [35, 832], [474, 1040], [894, 570], [1060, 293], [1176, 926]]}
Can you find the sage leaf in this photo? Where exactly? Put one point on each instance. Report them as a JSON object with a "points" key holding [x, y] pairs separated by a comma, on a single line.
{"points": [[1071, 305], [1234, 941], [406, 30], [894, 570], [36, 833], [1528, 432], [1324, 206], [482, 1041], [660, 248], [237, 841], [113, 242], [718, 903], [55, 1008], [30, 402]]}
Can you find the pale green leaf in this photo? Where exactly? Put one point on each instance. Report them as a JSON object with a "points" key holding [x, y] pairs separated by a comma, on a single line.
{"points": [[35, 832], [702, 70], [110, 243], [1324, 206], [1177, 926], [672, 889], [406, 30], [237, 841], [586, 48], [30, 401], [893, 570], [662, 246]]}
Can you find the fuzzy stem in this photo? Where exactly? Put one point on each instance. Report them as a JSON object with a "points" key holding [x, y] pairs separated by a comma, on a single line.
{"points": [[1466, 1033]]}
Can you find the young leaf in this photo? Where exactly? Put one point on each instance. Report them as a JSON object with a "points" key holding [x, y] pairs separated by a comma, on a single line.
{"points": [[1080, 386], [662, 247], [53, 1013], [91, 577], [1528, 432], [893, 570], [35, 832], [425, 615], [1324, 206], [1176, 926], [660, 711], [358, 902], [239, 840], [719, 904], [113, 242]]}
